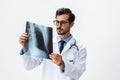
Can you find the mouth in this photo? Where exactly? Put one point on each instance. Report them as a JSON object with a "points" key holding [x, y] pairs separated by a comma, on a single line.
{"points": [[59, 30]]}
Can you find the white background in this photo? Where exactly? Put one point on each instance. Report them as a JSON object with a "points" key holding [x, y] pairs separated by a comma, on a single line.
{"points": [[97, 26]]}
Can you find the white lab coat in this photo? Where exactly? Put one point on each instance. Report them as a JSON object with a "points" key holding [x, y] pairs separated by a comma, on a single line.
{"points": [[74, 57]]}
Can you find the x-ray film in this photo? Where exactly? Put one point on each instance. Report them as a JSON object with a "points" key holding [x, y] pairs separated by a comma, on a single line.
{"points": [[39, 43]]}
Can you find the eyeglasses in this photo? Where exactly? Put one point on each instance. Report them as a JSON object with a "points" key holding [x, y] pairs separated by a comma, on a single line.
{"points": [[63, 23]]}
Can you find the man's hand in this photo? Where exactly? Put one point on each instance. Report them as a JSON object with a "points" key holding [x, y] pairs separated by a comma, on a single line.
{"points": [[57, 59], [22, 40]]}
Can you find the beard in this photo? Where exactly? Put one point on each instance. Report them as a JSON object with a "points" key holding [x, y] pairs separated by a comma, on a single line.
{"points": [[61, 31]]}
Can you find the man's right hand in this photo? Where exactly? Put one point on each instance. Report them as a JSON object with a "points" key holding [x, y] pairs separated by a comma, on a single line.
{"points": [[22, 40]]}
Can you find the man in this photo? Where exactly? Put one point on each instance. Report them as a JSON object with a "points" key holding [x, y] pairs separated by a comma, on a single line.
{"points": [[64, 64]]}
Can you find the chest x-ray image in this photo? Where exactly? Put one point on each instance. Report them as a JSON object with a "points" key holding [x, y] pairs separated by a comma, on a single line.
{"points": [[39, 43]]}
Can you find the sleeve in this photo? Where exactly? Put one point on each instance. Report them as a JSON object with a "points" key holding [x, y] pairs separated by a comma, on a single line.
{"points": [[21, 52], [29, 61], [76, 67]]}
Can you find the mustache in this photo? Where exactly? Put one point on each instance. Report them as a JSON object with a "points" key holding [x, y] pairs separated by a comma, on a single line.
{"points": [[59, 29]]}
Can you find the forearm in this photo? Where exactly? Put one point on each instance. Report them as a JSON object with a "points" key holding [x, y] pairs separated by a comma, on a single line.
{"points": [[29, 61]]}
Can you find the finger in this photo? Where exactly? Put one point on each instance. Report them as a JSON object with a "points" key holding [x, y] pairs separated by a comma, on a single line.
{"points": [[23, 41], [50, 56], [23, 38], [24, 35], [54, 60]]}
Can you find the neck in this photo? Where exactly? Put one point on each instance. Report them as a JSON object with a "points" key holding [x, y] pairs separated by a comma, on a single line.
{"points": [[64, 36]]}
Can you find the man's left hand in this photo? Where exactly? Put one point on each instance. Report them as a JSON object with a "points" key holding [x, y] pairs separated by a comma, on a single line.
{"points": [[57, 59]]}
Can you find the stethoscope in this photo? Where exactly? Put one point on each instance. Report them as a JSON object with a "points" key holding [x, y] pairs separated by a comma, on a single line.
{"points": [[74, 45]]}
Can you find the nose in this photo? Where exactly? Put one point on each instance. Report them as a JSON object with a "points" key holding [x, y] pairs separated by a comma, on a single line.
{"points": [[59, 25]]}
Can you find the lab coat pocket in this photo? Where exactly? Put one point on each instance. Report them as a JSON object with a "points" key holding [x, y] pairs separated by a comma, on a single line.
{"points": [[70, 58]]}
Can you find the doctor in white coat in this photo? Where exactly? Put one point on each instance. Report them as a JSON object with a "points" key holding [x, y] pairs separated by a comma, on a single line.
{"points": [[66, 64]]}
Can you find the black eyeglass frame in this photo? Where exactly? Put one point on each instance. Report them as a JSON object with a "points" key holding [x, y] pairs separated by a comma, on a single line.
{"points": [[63, 23]]}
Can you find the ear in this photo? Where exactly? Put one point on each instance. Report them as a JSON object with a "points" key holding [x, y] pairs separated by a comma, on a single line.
{"points": [[71, 24]]}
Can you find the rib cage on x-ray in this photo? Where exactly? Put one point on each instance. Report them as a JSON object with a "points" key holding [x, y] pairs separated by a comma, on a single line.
{"points": [[39, 43]]}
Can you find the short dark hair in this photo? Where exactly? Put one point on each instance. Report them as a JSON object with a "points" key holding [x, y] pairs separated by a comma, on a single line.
{"points": [[62, 11]]}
